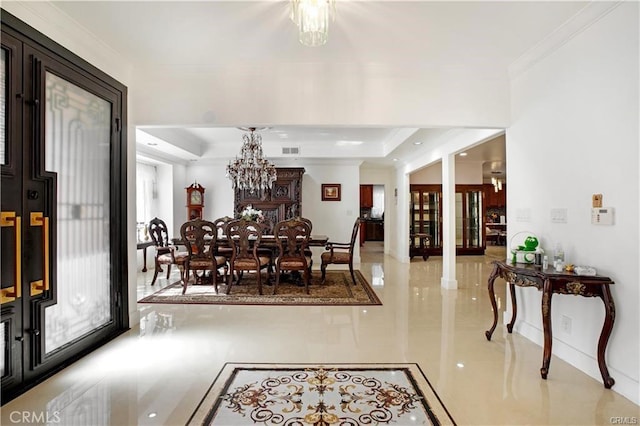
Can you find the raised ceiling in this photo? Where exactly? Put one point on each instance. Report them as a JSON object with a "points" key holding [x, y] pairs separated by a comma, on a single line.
{"points": [[406, 37]]}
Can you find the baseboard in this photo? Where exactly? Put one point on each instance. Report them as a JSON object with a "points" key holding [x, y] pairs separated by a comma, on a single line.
{"points": [[625, 385]]}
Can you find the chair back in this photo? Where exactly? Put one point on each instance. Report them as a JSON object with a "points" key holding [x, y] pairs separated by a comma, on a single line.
{"points": [[221, 225], [158, 232], [354, 234], [198, 235], [244, 236], [307, 221], [292, 237]]}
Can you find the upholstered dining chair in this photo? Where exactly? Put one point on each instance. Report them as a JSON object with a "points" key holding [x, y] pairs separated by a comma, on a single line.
{"points": [[292, 237], [244, 236], [221, 229], [340, 253], [166, 253], [200, 237]]}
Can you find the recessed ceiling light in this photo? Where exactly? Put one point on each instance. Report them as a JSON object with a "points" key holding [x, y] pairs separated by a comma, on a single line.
{"points": [[460, 365], [348, 143], [417, 143], [463, 154], [152, 415], [152, 143], [395, 159]]}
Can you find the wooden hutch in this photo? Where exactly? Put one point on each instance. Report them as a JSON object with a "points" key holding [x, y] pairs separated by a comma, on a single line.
{"points": [[282, 201]]}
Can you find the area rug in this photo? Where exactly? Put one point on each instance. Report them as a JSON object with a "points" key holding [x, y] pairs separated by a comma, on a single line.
{"points": [[328, 394], [338, 289]]}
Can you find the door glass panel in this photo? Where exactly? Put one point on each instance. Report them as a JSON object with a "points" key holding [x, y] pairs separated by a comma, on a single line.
{"points": [[3, 108], [4, 353], [77, 150], [459, 219], [473, 219]]}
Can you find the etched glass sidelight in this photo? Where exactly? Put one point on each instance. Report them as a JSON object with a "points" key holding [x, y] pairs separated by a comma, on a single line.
{"points": [[3, 106], [77, 147]]}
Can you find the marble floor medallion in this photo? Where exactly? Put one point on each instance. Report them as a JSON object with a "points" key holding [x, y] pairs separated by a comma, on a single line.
{"points": [[321, 394]]}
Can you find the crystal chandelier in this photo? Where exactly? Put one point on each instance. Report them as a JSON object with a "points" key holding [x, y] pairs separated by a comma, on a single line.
{"points": [[251, 171], [312, 18]]}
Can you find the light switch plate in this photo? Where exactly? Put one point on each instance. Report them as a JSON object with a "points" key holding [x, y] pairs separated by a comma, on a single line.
{"points": [[559, 215]]}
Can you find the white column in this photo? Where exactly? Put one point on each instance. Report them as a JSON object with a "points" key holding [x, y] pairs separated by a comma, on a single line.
{"points": [[448, 279]]}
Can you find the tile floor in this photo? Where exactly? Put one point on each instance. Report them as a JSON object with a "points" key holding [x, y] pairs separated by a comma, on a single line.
{"points": [[156, 373]]}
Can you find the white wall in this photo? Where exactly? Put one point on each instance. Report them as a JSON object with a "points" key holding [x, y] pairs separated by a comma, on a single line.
{"points": [[467, 173], [332, 218], [574, 134]]}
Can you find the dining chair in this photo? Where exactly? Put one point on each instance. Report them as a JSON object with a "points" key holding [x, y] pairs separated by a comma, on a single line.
{"points": [[244, 236], [200, 237], [340, 253], [166, 254], [292, 237], [221, 230]]}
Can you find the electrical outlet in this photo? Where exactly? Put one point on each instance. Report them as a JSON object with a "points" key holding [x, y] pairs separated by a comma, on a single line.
{"points": [[565, 324]]}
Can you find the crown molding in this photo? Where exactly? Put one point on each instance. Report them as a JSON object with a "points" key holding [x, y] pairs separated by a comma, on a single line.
{"points": [[579, 22]]}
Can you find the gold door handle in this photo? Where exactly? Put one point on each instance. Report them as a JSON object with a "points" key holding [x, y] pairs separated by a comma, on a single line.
{"points": [[14, 292], [37, 287]]}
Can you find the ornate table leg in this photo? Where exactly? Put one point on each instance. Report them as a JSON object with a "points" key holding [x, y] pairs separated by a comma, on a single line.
{"points": [[610, 316], [144, 259], [492, 297], [514, 307], [546, 326]]}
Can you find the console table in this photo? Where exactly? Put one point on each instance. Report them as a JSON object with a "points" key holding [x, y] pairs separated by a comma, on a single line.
{"points": [[549, 282], [143, 245]]}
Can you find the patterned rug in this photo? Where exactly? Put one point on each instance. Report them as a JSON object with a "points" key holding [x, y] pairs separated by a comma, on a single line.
{"points": [[337, 290], [319, 395]]}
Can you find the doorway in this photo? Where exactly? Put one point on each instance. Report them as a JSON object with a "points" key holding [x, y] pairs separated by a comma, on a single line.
{"points": [[63, 208]]}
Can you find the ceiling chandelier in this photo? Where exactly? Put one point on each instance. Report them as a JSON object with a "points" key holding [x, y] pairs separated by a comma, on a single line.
{"points": [[312, 18], [251, 171]]}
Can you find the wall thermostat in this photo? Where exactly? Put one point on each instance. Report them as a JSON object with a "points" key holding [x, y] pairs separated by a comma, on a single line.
{"points": [[602, 215]]}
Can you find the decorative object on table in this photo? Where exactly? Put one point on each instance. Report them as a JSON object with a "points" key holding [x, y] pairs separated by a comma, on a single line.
{"points": [[312, 19], [251, 171], [524, 246], [249, 213], [335, 291], [195, 201], [313, 394], [331, 192]]}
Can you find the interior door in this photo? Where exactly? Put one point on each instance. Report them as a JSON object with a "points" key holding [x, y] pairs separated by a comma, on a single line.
{"points": [[61, 206]]}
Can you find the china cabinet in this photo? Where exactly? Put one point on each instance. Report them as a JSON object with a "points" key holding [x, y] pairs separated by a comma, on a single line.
{"points": [[280, 202], [426, 218]]}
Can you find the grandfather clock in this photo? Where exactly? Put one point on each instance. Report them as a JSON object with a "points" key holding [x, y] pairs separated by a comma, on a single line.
{"points": [[195, 201]]}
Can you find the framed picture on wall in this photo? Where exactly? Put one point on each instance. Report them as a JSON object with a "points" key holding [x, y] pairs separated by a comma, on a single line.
{"points": [[330, 192]]}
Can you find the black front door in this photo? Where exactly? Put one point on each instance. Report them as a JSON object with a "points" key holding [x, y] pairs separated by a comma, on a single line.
{"points": [[62, 208]]}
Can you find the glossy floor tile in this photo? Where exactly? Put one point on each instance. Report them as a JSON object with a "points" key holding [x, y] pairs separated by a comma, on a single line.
{"points": [[157, 373]]}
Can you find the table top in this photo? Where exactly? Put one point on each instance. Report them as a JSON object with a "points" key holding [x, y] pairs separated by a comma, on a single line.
{"points": [[316, 240], [537, 271]]}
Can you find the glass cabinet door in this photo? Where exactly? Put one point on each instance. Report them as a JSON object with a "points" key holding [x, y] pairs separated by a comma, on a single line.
{"points": [[473, 215]]}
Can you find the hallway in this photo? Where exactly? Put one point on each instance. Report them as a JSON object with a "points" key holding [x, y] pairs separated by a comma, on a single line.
{"points": [[157, 373]]}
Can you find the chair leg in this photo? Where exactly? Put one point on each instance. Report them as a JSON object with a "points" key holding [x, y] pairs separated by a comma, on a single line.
{"points": [[155, 273], [168, 270], [185, 282], [214, 277], [275, 286], [353, 276], [259, 278], [229, 281], [323, 268], [306, 279]]}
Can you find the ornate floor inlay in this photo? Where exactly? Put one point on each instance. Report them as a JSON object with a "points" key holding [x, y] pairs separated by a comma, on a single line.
{"points": [[338, 289], [319, 395]]}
